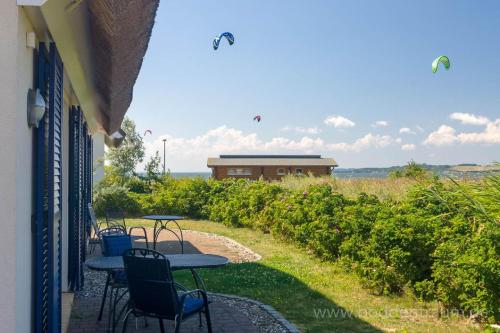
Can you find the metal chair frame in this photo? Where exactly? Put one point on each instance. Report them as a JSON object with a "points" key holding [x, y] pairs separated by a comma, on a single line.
{"points": [[110, 283], [119, 215], [95, 228], [157, 279]]}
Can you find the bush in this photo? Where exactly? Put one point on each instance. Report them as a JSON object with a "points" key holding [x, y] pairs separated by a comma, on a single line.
{"points": [[137, 185], [439, 239], [115, 197]]}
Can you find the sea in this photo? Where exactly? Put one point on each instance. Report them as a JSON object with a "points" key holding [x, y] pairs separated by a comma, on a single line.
{"points": [[338, 173], [346, 173]]}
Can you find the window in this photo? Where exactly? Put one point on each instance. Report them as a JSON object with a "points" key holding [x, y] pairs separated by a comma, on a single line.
{"points": [[298, 171], [281, 172], [239, 172]]}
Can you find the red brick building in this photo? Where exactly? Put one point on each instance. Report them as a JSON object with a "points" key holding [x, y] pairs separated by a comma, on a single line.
{"points": [[270, 167]]}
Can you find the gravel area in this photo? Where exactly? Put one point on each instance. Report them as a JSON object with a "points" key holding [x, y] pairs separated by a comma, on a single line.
{"points": [[264, 317]]}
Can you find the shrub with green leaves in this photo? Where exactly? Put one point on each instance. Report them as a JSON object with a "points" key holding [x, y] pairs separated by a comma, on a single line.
{"points": [[116, 197], [439, 239]]}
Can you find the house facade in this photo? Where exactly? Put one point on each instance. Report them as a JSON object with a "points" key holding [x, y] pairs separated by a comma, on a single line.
{"points": [[269, 167], [68, 71]]}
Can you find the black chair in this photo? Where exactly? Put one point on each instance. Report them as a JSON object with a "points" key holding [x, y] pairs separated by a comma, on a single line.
{"points": [[116, 218], [94, 239], [153, 291], [114, 241]]}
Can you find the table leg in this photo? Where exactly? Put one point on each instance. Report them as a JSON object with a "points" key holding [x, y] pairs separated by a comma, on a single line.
{"points": [[164, 226], [154, 233], [198, 280], [108, 279], [181, 239]]}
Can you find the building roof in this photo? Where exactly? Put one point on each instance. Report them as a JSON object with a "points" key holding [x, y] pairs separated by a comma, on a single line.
{"points": [[120, 32], [270, 160], [102, 44]]}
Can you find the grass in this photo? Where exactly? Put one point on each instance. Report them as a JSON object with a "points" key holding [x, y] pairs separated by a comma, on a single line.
{"points": [[383, 188], [297, 284]]}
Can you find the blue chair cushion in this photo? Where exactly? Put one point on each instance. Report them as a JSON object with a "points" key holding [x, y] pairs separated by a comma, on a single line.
{"points": [[115, 245], [191, 304], [120, 277]]}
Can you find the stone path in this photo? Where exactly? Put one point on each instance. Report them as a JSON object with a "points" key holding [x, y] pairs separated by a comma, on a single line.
{"points": [[224, 319], [228, 315]]}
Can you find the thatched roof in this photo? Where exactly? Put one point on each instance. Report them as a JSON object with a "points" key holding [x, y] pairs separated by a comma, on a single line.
{"points": [[120, 32]]}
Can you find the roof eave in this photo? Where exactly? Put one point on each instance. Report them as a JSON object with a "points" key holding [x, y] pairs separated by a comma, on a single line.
{"points": [[102, 44]]}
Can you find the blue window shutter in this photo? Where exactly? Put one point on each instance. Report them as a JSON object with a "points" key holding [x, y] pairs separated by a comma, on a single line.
{"points": [[55, 179], [80, 196], [73, 241], [41, 244], [48, 194]]}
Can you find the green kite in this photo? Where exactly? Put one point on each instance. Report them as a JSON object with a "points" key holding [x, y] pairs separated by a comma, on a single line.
{"points": [[441, 59]]}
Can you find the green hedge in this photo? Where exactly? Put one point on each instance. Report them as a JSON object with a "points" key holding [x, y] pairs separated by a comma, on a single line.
{"points": [[440, 242]]}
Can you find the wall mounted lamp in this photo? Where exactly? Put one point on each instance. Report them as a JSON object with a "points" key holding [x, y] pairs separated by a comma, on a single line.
{"points": [[36, 107], [114, 140]]}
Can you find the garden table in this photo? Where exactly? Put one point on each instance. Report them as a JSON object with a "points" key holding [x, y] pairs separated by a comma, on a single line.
{"points": [[177, 262], [161, 223]]}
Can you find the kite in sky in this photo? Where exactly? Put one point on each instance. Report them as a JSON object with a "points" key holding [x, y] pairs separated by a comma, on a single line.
{"points": [[257, 117], [441, 59], [148, 131], [229, 36]]}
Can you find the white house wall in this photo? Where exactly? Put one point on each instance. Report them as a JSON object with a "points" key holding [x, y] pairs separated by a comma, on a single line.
{"points": [[16, 172], [98, 157], [9, 217], [24, 179]]}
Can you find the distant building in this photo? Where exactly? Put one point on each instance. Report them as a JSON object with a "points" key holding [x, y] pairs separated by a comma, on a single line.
{"points": [[270, 167]]}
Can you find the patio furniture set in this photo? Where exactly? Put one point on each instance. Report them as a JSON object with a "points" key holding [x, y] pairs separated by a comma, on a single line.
{"points": [[145, 275]]}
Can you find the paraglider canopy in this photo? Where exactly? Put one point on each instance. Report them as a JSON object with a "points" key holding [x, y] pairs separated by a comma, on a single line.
{"points": [[229, 36], [257, 117], [441, 59], [148, 132]]}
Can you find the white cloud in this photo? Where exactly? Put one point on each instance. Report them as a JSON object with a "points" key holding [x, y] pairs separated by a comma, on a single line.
{"points": [[419, 128], [194, 151], [380, 123], [446, 135], [491, 134], [408, 147], [368, 141], [469, 119], [406, 130], [223, 140], [305, 144], [303, 130], [339, 122]]}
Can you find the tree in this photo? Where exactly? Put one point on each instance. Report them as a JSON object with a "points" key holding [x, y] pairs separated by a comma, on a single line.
{"points": [[153, 168], [411, 170], [125, 158]]}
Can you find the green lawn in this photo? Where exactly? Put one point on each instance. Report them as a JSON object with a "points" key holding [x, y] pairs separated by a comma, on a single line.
{"points": [[300, 287]]}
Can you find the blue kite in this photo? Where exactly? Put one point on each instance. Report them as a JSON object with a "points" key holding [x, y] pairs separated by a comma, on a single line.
{"points": [[229, 36]]}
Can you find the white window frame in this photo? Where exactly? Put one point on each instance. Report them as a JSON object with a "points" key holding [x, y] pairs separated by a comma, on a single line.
{"points": [[282, 173], [239, 171]]}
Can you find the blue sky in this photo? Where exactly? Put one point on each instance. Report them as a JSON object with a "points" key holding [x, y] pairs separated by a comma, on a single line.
{"points": [[322, 74]]}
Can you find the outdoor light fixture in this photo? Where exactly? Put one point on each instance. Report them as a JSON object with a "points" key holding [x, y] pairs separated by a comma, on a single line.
{"points": [[36, 107], [114, 140]]}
